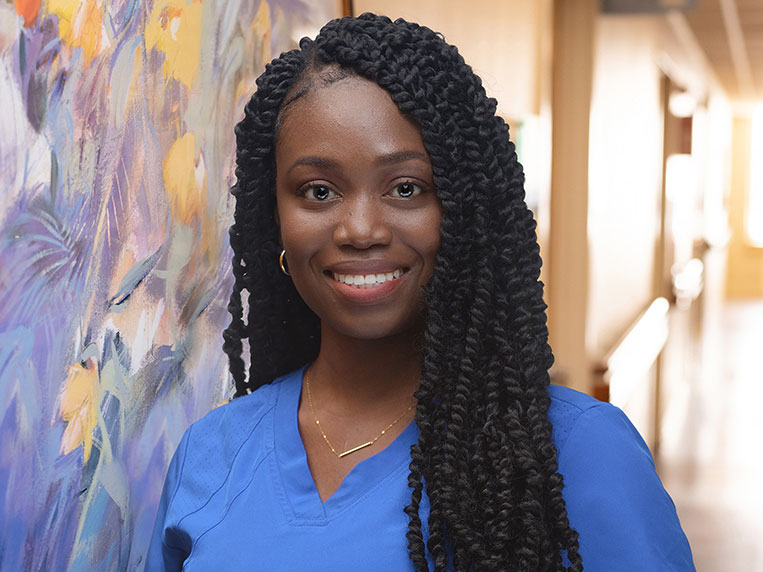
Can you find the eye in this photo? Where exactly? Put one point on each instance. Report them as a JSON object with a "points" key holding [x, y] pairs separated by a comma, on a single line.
{"points": [[318, 193], [406, 190]]}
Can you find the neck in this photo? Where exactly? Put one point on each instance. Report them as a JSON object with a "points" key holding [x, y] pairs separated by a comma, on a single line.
{"points": [[353, 373]]}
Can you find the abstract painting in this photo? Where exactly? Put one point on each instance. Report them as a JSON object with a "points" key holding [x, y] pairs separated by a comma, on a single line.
{"points": [[116, 159]]}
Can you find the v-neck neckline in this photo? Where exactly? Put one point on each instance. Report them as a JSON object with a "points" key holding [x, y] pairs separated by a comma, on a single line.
{"points": [[299, 491]]}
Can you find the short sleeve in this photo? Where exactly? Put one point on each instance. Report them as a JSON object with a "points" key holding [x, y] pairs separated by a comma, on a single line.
{"points": [[169, 549], [615, 500]]}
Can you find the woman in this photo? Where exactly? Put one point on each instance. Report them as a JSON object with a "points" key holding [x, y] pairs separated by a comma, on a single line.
{"points": [[390, 266]]}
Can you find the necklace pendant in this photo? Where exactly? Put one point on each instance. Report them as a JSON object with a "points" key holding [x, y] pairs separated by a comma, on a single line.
{"points": [[358, 448], [325, 437]]}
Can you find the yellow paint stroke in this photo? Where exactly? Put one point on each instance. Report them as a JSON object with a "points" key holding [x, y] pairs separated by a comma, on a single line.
{"points": [[261, 28], [185, 179], [79, 407], [174, 28], [80, 24], [258, 43]]}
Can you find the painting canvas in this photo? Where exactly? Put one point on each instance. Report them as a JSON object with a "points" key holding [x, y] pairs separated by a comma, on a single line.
{"points": [[116, 159]]}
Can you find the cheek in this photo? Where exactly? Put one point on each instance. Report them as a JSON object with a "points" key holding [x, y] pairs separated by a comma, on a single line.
{"points": [[424, 238], [430, 248], [303, 237], [300, 246], [297, 232], [300, 243], [431, 238]]}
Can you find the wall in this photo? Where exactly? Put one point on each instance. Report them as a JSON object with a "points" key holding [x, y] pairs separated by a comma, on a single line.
{"points": [[639, 60], [744, 278], [573, 54], [499, 38], [626, 163], [625, 171], [116, 156]]}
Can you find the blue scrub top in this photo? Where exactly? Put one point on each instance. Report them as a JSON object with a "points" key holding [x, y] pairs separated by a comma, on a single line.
{"points": [[239, 494]]}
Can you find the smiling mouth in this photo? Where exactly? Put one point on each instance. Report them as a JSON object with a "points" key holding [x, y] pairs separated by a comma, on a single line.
{"points": [[366, 280]]}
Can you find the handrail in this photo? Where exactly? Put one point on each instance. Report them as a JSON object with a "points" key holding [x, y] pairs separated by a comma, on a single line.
{"points": [[618, 373]]}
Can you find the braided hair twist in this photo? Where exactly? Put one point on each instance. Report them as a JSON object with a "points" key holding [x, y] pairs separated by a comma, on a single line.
{"points": [[484, 450]]}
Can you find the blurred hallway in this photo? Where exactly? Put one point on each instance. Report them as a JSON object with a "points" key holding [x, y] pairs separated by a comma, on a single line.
{"points": [[634, 121], [710, 457]]}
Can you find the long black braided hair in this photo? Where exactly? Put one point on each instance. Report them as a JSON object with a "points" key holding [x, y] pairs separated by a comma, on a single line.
{"points": [[485, 449]]}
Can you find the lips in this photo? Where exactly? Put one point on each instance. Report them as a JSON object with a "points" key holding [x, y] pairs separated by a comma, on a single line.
{"points": [[366, 284]]}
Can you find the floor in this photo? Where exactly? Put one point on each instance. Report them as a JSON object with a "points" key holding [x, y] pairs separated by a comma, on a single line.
{"points": [[710, 456]]}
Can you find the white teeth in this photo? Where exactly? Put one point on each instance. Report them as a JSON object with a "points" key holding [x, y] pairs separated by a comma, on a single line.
{"points": [[366, 280]]}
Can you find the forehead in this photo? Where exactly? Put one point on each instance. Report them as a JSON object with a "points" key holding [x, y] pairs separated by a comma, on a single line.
{"points": [[353, 113]]}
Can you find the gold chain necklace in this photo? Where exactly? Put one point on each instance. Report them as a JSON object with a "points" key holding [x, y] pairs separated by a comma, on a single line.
{"points": [[359, 447]]}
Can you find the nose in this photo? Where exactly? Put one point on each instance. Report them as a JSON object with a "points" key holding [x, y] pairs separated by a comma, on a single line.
{"points": [[363, 223]]}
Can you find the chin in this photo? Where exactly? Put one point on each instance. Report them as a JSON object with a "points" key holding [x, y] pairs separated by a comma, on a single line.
{"points": [[369, 330]]}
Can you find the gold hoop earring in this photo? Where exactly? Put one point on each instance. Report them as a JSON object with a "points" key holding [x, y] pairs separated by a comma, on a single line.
{"points": [[282, 261]]}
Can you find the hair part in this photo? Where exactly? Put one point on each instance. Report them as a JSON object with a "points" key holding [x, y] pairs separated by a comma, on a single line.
{"points": [[485, 449]]}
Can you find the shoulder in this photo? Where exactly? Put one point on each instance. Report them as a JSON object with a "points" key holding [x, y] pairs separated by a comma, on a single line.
{"points": [[582, 424], [572, 412], [239, 413], [613, 495], [211, 445], [237, 432], [593, 435], [222, 431]]}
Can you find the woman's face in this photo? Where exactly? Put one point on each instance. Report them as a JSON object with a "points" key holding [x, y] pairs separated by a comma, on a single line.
{"points": [[356, 204]]}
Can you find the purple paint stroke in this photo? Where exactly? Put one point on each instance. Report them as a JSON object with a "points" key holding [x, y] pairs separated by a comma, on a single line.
{"points": [[62, 246]]}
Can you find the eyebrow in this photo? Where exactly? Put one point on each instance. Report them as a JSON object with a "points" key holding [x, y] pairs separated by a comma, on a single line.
{"points": [[401, 157], [315, 161], [386, 159]]}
